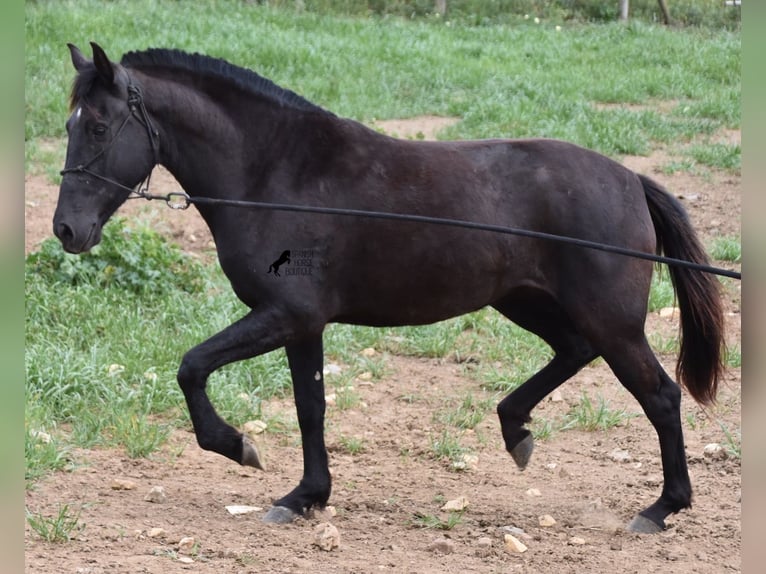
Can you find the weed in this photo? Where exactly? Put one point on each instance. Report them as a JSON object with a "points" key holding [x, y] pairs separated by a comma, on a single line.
{"points": [[733, 356], [139, 436], [59, 528], [421, 520], [587, 416], [727, 249], [352, 445], [447, 446], [661, 293], [468, 414], [542, 429], [733, 444]]}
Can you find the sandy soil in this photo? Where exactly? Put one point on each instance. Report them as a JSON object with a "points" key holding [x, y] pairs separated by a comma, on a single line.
{"points": [[379, 492]]}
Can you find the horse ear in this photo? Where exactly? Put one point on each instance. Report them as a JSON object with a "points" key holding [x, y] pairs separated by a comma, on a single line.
{"points": [[103, 65], [78, 60]]}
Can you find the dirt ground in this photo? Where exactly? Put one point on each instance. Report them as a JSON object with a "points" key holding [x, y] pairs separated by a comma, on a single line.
{"points": [[379, 492]]}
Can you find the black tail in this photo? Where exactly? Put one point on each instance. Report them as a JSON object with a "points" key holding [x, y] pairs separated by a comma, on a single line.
{"points": [[700, 362]]}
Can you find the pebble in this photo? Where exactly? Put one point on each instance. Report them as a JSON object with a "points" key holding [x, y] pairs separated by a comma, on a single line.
{"points": [[186, 544], [123, 484], [458, 504], [237, 509], [533, 492], [369, 352], [254, 427], [576, 541], [513, 544], [156, 533], [620, 455], [185, 560], [556, 397], [714, 451], [546, 520], [326, 536], [441, 545], [156, 494], [484, 547]]}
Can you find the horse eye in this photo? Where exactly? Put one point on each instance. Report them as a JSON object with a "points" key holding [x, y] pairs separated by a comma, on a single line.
{"points": [[99, 130]]}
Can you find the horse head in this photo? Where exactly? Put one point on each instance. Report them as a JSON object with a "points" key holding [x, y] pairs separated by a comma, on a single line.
{"points": [[112, 148]]}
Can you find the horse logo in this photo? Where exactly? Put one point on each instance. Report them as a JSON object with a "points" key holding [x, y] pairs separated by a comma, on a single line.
{"points": [[284, 258]]}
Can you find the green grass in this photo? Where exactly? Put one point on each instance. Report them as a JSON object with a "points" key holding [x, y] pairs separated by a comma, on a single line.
{"points": [[420, 520], [727, 248], [504, 80], [59, 528], [586, 415]]}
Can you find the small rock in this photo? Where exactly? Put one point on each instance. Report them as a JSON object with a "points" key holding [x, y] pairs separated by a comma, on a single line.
{"points": [[551, 466], [186, 544], [369, 352], [323, 514], [458, 504], [366, 376], [441, 545], [533, 492], [330, 399], [237, 509], [515, 531], [326, 536], [331, 369], [620, 455], [122, 484], [471, 461], [714, 451], [156, 533], [669, 312], [546, 520], [254, 427], [156, 494], [556, 397], [513, 544], [185, 560], [576, 541], [484, 541], [42, 436]]}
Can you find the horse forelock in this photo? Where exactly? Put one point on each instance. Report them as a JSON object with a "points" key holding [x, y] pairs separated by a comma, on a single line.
{"points": [[216, 68], [82, 85]]}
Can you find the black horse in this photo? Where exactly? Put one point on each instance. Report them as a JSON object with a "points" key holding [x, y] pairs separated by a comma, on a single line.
{"points": [[226, 132]]}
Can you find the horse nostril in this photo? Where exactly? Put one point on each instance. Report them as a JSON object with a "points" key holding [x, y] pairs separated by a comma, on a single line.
{"points": [[63, 232]]}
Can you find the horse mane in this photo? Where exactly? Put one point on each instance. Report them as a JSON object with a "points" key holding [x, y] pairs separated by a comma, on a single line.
{"points": [[203, 65]]}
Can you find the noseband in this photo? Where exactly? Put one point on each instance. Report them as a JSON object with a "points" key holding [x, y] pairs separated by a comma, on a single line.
{"points": [[137, 111]]}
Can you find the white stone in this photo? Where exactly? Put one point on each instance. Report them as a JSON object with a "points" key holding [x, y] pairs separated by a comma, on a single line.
{"points": [[326, 536], [156, 494], [620, 455], [237, 509], [513, 544], [533, 492], [156, 533], [186, 544], [576, 541], [254, 427], [546, 520], [457, 504]]}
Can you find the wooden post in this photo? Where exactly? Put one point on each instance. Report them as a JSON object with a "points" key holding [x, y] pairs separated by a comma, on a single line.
{"points": [[665, 12], [440, 6], [624, 10]]}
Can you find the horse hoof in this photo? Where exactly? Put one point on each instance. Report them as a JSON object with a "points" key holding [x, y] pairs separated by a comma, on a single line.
{"points": [[522, 452], [250, 454], [280, 515], [643, 525]]}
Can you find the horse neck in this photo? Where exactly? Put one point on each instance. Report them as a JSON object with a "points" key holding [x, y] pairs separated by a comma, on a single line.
{"points": [[203, 134]]}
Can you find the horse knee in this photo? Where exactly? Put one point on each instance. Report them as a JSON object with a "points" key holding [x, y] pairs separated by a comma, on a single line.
{"points": [[190, 375]]}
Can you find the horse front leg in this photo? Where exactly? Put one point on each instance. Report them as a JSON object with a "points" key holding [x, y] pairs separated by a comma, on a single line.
{"points": [[258, 332], [306, 362]]}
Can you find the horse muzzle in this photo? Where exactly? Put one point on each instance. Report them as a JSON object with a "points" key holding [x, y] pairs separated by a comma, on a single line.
{"points": [[76, 237]]}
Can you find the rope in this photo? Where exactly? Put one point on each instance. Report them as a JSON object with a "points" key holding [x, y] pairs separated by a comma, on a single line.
{"points": [[186, 200]]}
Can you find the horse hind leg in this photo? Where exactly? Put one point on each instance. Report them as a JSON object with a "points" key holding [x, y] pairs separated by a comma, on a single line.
{"points": [[637, 368], [540, 314]]}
